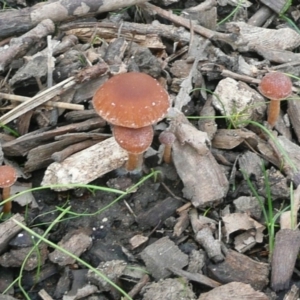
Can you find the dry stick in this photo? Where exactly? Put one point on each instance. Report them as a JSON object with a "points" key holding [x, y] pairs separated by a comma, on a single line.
{"points": [[139, 285], [59, 156], [38, 100], [18, 21], [50, 62], [65, 105], [210, 34], [245, 78]]}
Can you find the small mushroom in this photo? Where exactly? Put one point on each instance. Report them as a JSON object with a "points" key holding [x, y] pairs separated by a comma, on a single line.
{"points": [[167, 138], [133, 100], [8, 177], [135, 141], [276, 86]]}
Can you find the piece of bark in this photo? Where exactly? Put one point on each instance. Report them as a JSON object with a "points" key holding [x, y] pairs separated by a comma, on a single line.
{"points": [[41, 156], [91, 72], [16, 257], [86, 165], [278, 56], [231, 138], [203, 179], [259, 38], [197, 51], [19, 46], [113, 270], [139, 285], [238, 100], [251, 164], [287, 245], [208, 125], [236, 267], [61, 155], [199, 278], [44, 295], [181, 224], [248, 205], [288, 219], [35, 66], [241, 221], [197, 261], [294, 114], [170, 288], [8, 230], [161, 255], [233, 291], [75, 116], [23, 144], [136, 32], [278, 183], [159, 213], [292, 294], [37, 100], [293, 152], [45, 271], [18, 21], [207, 33], [204, 14], [279, 6], [212, 246], [260, 16], [76, 242]]}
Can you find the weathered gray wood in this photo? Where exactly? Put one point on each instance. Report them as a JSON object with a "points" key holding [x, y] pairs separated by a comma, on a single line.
{"points": [[161, 255], [287, 245], [233, 290], [8, 230], [279, 6], [19, 46], [294, 114], [86, 165], [21, 145], [236, 267], [18, 21]]}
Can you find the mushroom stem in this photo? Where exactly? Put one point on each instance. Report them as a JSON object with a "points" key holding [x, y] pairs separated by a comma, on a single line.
{"points": [[134, 162], [273, 112], [7, 205], [167, 154]]}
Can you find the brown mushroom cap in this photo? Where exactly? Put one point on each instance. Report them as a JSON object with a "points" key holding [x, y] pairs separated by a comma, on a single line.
{"points": [[8, 176], [167, 137], [276, 86], [134, 140], [131, 100]]}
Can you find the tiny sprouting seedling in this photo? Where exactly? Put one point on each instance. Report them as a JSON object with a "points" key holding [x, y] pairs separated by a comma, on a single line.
{"points": [[10, 130], [268, 212], [98, 40], [234, 119], [234, 11]]}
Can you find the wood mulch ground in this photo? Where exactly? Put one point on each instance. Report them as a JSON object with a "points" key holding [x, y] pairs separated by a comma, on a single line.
{"points": [[219, 221]]}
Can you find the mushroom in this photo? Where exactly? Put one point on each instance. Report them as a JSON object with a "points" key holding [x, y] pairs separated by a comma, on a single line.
{"points": [[133, 100], [135, 141], [275, 86], [167, 138], [8, 177]]}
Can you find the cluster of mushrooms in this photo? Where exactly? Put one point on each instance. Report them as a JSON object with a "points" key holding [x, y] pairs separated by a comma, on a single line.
{"points": [[133, 102]]}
